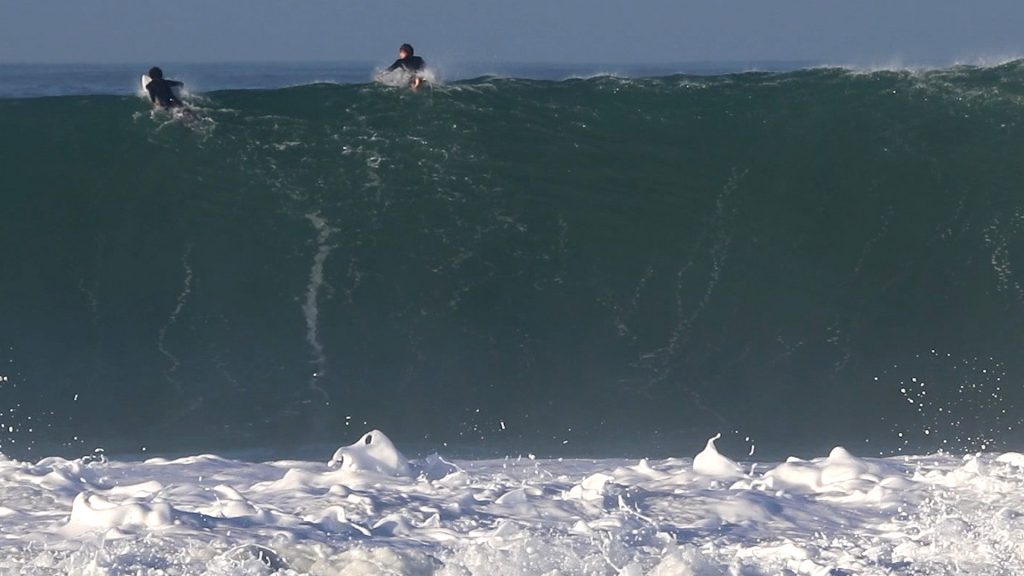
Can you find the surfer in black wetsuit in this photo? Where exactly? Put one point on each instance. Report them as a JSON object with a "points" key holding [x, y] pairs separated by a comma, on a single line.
{"points": [[410, 63], [161, 92]]}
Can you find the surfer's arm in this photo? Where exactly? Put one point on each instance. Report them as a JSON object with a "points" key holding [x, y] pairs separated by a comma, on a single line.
{"points": [[394, 66], [175, 83]]}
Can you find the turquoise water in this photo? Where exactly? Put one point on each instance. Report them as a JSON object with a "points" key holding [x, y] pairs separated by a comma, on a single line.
{"points": [[582, 266]]}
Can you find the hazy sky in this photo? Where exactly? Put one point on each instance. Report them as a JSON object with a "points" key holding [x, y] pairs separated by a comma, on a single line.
{"points": [[567, 31]]}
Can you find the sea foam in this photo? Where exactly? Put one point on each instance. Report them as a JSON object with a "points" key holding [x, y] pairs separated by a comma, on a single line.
{"points": [[370, 510]]}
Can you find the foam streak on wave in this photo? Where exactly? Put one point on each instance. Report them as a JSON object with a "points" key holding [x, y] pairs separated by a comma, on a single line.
{"points": [[310, 308], [1000, 239], [179, 305]]}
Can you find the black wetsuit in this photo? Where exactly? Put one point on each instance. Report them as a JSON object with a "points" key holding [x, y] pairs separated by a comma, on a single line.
{"points": [[161, 92], [409, 64]]}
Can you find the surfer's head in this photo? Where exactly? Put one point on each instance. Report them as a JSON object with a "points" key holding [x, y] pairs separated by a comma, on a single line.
{"points": [[405, 50], [156, 73]]}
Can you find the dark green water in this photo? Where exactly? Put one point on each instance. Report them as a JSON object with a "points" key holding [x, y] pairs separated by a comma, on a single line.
{"points": [[582, 267]]}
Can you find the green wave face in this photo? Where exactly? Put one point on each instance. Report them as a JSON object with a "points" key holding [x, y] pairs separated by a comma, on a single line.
{"points": [[598, 265]]}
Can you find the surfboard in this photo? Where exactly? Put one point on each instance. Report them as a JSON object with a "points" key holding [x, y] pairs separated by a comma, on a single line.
{"points": [[404, 79], [145, 81]]}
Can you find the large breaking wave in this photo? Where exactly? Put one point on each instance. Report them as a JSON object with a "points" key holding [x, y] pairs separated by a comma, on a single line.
{"points": [[593, 265]]}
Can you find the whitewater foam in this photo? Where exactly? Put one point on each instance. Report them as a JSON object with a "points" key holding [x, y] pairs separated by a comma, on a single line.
{"points": [[371, 511]]}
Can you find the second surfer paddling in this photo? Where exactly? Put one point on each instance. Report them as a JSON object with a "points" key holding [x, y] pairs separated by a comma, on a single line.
{"points": [[410, 64], [162, 92]]}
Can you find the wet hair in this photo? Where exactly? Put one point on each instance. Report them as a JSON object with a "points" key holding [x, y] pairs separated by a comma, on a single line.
{"points": [[407, 48], [156, 73]]}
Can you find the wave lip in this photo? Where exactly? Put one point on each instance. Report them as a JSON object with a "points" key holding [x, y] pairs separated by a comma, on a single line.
{"points": [[38, 80]]}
